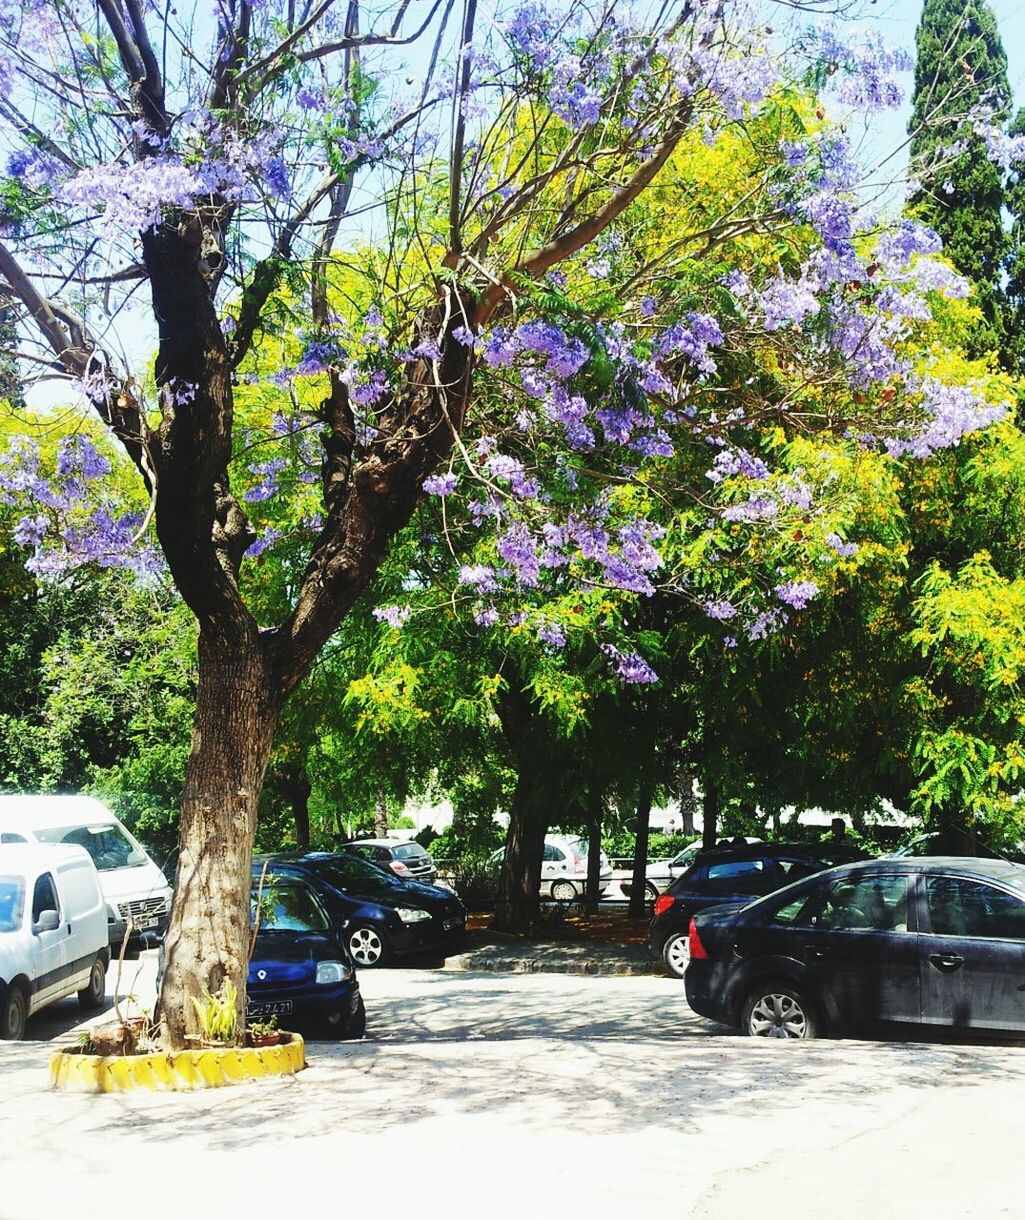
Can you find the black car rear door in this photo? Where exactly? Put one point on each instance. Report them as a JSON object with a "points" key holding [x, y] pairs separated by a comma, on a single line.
{"points": [[973, 959], [861, 953]]}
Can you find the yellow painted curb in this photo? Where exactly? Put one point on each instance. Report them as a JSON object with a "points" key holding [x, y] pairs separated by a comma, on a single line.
{"points": [[163, 1070]]}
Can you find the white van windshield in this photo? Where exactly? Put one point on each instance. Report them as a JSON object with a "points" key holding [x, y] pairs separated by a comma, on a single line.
{"points": [[109, 846], [12, 903]]}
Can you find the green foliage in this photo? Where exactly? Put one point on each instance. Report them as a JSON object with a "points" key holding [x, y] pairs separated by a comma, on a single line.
{"points": [[217, 1014]]}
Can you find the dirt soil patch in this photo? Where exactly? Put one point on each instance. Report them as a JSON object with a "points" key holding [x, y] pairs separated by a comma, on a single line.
{"points": [[571, 926]]}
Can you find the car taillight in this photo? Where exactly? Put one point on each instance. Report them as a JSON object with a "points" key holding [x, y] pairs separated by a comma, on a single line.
{"points": [[663, 902], [398, 867], [579, 866], [697, 949]]}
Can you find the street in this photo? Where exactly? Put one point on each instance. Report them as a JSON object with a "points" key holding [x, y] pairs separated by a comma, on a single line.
{"points": [[531, 1095]]}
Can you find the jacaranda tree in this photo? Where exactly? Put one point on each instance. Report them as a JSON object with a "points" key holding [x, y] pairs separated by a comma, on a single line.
{"points": [[409, 183]]}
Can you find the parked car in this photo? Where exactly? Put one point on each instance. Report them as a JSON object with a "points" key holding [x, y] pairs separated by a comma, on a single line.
{"points": [[564, 868], [379, 915], [736, 875], [299, 970], [660, 874], [933, 940], [133, 886], [53, 932], [406, 860]]}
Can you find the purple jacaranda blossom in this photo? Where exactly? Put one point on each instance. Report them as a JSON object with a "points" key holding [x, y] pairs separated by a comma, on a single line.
{"points": [[30, 530], [263, 542], [730, 462], [487, 617], [565, 356], [440, 484], [552, 633], [951, 413], [478, 576], [720, 609], [78, 455], [786, 302], [532, 32], [572, 97], [796, 593], [394, 616], [276, 176], [267, 486], [630, 666], [516, 547], [765, 623], [844, 549]]}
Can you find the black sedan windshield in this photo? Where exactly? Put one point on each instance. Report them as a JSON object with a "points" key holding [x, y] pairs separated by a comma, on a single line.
{"points": [[353, 872]]}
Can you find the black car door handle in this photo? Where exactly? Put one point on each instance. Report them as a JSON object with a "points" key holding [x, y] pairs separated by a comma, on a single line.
{"points": [[947, 962]]}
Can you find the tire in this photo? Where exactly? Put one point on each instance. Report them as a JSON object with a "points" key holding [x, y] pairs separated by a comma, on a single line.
{"points": [[564, 891], [650, 891], [94, 992], [357, 1026], [13, 1014], [676, 953], [779, 1010], [367, 946]]}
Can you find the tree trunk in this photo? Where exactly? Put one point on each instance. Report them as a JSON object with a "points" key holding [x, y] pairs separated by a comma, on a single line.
{"points": [[594, 818], [687, 806], [300, 793], [517, 908], [710, 813], [208, 936], [381, 815], [638, 898]]}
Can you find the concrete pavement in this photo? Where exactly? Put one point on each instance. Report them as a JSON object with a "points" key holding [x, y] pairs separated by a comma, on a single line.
{"points": [[507, 1095]]}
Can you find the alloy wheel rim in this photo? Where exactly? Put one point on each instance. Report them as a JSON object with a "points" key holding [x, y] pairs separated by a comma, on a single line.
{"points": [[679, 953], [365, 946], [778, 1016]]}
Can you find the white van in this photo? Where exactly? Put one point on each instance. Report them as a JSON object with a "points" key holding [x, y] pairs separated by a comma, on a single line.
{"points": [[53, 931], [133, 886]]}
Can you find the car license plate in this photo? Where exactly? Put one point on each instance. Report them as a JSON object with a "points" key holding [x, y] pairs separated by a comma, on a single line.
{"points": [[276, 1008], [145, 921], [450, 925]]}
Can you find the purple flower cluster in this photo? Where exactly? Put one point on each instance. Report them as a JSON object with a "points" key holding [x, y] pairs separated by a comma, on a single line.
{"points": [[692, 340], [267, 474], [796, 593], [440, 484], [951, 413], [394, 616], [630, 666]]}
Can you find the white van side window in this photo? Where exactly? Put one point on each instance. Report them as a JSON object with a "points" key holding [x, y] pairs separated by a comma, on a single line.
{"points": [[44, 897], [10, 837]]}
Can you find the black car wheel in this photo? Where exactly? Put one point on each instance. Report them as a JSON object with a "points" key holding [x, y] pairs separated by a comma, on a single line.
{"points": [[367, 945], [778, 1010], [676, 953], [91, 996], [650, 891], [13, 1014], [357, 1026]]}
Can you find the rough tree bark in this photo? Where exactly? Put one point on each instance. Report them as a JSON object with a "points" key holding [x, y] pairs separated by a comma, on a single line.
{"points": [[638, 899]]}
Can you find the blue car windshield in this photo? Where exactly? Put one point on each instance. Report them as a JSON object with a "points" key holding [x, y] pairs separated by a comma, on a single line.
{"points": [[12, 903], [287, 908]]}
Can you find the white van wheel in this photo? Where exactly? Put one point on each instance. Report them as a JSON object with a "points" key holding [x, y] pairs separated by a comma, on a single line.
{"points": [[94, 993], [13, 1014]]}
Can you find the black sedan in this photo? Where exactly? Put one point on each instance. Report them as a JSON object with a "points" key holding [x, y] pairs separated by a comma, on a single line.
{"points": [[736, 875], [934, 940], [299, 971], [379, 915]]}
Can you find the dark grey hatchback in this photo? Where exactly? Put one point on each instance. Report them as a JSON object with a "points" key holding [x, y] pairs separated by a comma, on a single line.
{"points": [[933, 940]]}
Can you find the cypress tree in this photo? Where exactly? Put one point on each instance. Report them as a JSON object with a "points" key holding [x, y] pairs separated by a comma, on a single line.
{"points": [[960, 67]]}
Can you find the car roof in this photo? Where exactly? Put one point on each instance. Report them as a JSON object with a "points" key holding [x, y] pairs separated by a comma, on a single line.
{"points": [[753, 851], [43, 810], [382, 843], [25, 858], [983, 867]]}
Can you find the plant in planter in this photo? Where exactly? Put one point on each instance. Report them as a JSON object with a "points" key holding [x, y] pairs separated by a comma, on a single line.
{"points": [[263, 1033], [218, 1016]]}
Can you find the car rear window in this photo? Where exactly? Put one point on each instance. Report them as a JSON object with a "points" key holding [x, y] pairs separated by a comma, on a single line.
{"points": [[959, 907], [12, 903], [409, 851]]}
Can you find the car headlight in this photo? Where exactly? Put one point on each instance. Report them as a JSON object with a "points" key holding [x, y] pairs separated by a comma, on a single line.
{"points": [[411, 914], [333, 972]]}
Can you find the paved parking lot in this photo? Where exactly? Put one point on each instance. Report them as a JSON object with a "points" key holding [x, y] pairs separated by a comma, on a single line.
{"points": [[530, 1095]]}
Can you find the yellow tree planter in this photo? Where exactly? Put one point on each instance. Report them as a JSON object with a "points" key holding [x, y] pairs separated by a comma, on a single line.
{"points": [[206, 1068]]}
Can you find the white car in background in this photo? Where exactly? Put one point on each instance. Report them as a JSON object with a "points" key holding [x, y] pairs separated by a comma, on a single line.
{"points": [[564, 868]]}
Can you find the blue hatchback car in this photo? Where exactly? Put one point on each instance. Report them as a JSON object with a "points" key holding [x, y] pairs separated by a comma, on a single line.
{"points": [[300, 972], [379, 915]]}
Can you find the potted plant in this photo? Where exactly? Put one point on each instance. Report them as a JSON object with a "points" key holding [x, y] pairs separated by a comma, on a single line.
{"points": [[263, 1033], [218, 1016]]}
